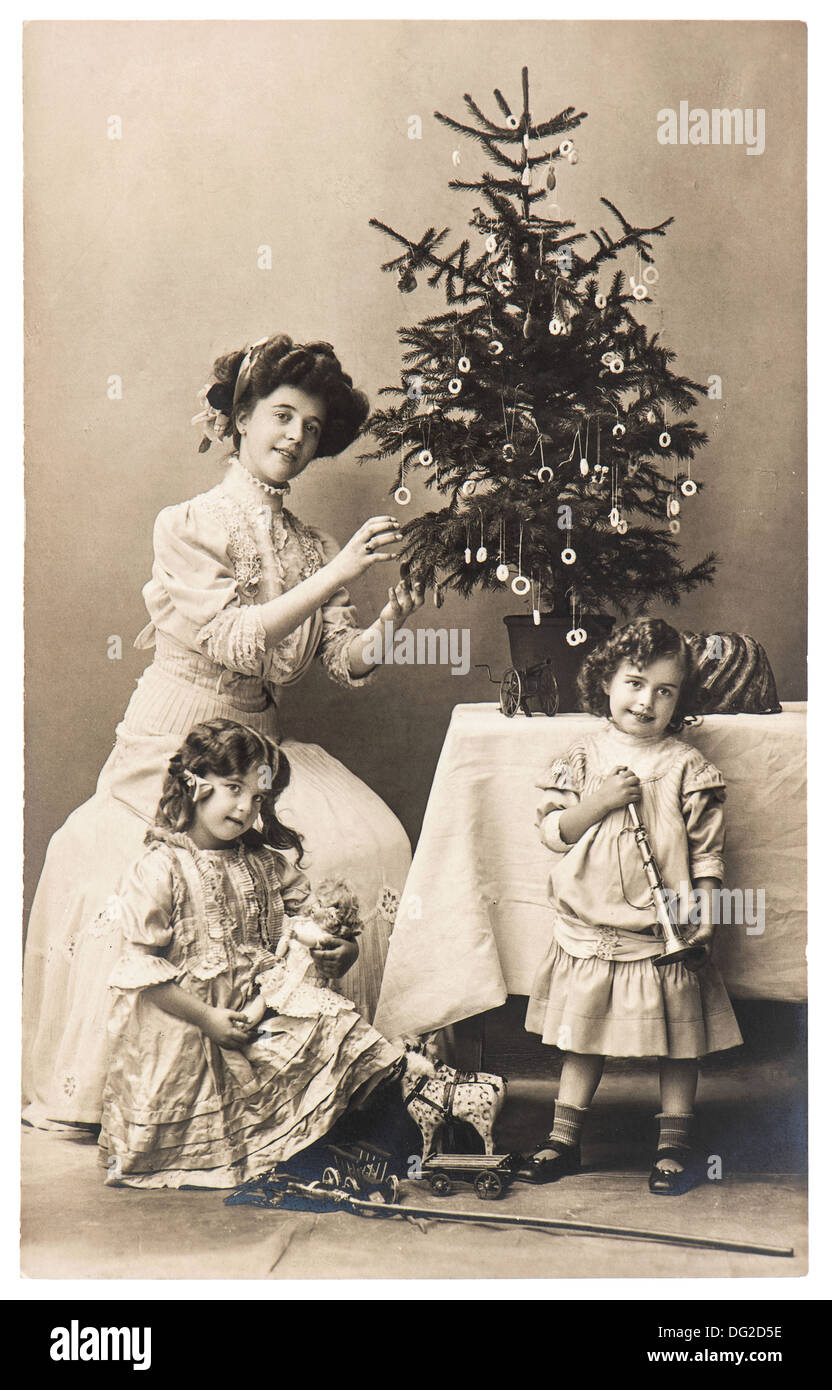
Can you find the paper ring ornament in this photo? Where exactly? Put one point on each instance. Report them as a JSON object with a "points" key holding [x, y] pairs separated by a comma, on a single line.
{"points": [[622, 528], [688, 488], [584, 466], [615, 516], [601, 303], [464, 364], [581, 634], [616, 365], [664, 439], [402, 495], [545, 473], [673, 507], [675, 526], [555, 326], [495, 347], [469, 487], [509, 453], [512, 122], [502, 573], [649, 275], [574, 637], [607, 357], [520, 585], [482, 555], [618, 430], [454, 385], [640, 292], [426, 458], [491, 245], [568, 556], [566, 147]]}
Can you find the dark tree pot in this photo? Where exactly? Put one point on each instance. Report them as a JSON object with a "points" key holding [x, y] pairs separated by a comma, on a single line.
{"points": [[530, 643]]}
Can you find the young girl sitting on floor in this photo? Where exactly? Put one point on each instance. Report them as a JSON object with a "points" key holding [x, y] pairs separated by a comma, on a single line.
{"points": [[196, 1093], [597, 993]]}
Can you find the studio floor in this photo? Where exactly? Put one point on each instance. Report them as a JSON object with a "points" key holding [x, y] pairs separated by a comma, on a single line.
{"points": [[751, 1117]]}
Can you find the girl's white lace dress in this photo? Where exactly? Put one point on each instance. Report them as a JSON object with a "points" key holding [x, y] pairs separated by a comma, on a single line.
{"points": [[217, 557]]}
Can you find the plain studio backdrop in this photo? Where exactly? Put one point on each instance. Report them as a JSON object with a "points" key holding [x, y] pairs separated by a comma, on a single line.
{"points": [[142, 263]]}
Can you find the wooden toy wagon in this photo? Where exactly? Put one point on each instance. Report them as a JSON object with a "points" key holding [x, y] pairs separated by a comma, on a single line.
{"points": [[490, 1174], [361, 1171], [519, 686]]}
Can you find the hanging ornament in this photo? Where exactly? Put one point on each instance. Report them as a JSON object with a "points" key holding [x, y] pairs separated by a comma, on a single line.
{"points": [[607, 358], [618, 430], [601, 303], [464, 365], [520, 585], [502, 573], [615, 517], [438, 597], [426, 458], [639, 290], [482, 553], [568, 556], [650, 417], [407, 280], [536, 617], [650, 275], [491, 244], [673, 506], [526, 177], [689, 487], [575, 636], [509, 453], [402, 495], [454, 386], [469, 487], [584, 466], [556, 326], [622, 528], [551, 178], [566, 147], [495, 347], [617, 365], [467, 554], [512, 122], [664, 439], [573, 156], [527, 327], [675, 527], [545, 473]]}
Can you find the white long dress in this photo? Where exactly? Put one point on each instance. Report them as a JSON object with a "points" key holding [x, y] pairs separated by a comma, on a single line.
{"points": [[217, 557]]}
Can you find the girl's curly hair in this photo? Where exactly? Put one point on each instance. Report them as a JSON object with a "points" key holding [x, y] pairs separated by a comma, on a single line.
{"points": [[221, 748], [642, 641], [313, 367]]}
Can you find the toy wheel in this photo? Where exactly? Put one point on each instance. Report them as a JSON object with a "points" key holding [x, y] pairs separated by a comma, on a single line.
{"points": [[331, 1177], [549, 697], [390, 1189], [352, 1186], [440, 1183], [488, 1185], [511, 692]]}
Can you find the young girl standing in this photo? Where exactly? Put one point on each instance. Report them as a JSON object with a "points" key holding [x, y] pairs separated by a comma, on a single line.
{"points": [[597, 993], [196, 1093]]}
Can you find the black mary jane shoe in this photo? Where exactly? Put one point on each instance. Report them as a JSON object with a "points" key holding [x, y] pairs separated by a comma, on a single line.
{"points": [[532, 1168], [670, 1184]]}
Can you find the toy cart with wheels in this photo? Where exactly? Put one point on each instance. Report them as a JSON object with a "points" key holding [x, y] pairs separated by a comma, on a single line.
{"points": [[489, 1174], [520, 686], [361, 1171]]}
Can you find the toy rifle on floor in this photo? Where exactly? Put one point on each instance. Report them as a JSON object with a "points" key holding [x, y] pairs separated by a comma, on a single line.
{"points": [[677, 947]]}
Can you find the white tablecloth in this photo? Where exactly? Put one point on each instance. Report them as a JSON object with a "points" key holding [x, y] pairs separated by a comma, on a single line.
{"points": [[474, 920]]}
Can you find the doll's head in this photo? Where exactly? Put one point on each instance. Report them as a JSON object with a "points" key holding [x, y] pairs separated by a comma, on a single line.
{"points": [[335, 907], [247, 376], [643, 678], [222, 786]]}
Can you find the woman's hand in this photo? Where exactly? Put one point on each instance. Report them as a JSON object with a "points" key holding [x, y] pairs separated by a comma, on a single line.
{"points": [[619, 789], [227, 1028], [408, 595], [366, 548], [334, 956]]}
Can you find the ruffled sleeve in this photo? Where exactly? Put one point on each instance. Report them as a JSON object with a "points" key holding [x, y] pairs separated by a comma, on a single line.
{"points": [[194, 594], [562, 784], [703, 793], [295, 889], [146, 904], [340, 626]]}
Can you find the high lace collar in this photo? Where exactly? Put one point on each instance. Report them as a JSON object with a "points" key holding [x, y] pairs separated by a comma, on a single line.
{"points": [[240, 485]]}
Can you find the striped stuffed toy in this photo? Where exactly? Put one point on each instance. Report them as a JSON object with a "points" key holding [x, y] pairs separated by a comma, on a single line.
{"points": [[735, 676]]}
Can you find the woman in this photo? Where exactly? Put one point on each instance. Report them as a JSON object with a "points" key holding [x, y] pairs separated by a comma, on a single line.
{"points": [[242, 597]]}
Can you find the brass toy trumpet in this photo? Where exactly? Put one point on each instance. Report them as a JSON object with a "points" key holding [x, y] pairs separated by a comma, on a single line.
{"points": [[677, 947]]}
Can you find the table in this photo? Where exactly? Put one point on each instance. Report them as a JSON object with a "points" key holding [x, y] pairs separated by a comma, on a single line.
{"points": [[474, 920]]}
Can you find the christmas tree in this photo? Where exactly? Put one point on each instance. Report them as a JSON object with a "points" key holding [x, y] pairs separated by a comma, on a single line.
{"points": [[536, 403]]}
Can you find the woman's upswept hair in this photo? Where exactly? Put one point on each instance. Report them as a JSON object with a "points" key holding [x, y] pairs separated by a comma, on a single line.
{"points": [[642, 641], [221, 748], [312, 367]]}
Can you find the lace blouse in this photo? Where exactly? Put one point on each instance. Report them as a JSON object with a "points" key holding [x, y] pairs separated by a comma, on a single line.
{"points": [[218, 557]]}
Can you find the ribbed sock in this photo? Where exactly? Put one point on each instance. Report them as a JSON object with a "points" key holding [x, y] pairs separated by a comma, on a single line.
{"points": [[674, 1131], [569, 1121]]}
